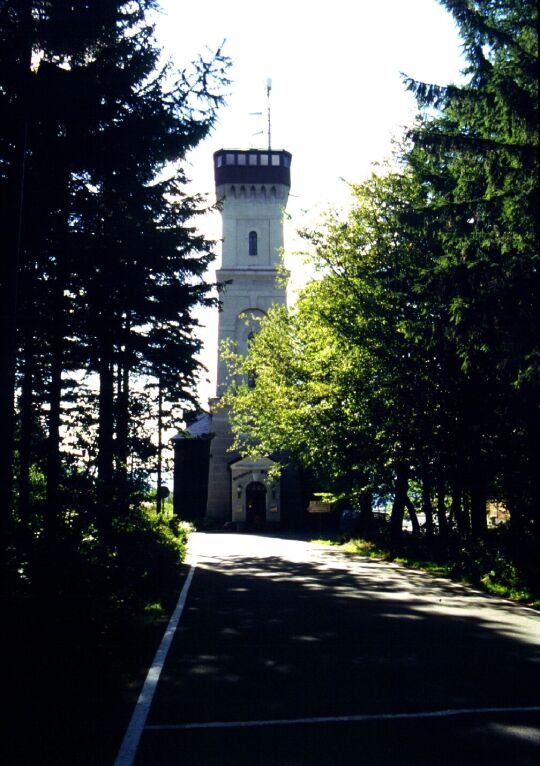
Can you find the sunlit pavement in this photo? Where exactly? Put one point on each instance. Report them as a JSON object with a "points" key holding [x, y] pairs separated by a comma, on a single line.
{"points": [[290, 653]]}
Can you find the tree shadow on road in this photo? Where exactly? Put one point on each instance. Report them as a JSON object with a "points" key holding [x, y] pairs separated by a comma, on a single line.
{"points": [[270, 638]]}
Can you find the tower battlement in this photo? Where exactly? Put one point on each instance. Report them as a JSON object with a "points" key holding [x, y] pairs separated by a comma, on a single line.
{"points": [[252, 166]]}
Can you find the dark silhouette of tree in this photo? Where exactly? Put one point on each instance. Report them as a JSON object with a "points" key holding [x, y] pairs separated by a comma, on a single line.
{"points": [[103, 265]]}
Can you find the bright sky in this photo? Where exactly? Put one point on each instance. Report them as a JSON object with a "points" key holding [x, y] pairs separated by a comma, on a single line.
{"points": [[337, 97]]}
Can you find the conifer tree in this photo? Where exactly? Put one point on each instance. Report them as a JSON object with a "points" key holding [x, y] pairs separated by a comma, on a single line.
{"points": [[480, 159], [101, 248]]}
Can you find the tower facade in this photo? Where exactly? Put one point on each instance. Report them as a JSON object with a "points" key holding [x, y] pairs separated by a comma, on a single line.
{"points": [[252, 187]]}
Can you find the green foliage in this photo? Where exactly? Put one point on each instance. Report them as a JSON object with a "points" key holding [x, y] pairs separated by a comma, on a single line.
{"points": [[133, 565], [144, 550], [410, 361]]}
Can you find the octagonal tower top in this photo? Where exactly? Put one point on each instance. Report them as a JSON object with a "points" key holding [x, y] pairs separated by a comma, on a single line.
{"points": [[252, 166]]}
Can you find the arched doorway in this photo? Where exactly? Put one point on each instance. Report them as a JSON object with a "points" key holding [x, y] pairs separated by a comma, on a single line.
{"points": [[255, 504]]}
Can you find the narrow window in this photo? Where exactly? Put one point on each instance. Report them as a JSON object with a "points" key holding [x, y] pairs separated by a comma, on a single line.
{"points": [[253, 243]]}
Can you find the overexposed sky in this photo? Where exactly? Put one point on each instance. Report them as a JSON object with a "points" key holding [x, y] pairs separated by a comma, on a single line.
{"points": [[337, 98]]}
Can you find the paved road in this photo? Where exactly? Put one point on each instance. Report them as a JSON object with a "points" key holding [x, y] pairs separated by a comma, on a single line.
{"points": [[289, 654]]}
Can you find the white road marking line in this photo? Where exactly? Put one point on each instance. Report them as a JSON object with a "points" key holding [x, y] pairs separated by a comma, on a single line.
{"points": [[340, 718], [130, 743]]}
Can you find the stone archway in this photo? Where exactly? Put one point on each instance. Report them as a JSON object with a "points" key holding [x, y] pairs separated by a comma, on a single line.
{"points": [[263, 504], [255, 504]]}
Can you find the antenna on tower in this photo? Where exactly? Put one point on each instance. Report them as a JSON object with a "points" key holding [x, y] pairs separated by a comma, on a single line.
{"points": [[269, 121], [268, 89]]}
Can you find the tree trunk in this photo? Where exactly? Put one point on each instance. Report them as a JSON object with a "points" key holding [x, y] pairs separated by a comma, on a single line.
{"points": [[441, 509], [398, 507], [457, 510], [105, 457], [412, 515], [122, 426], [366, 510], [12, 207], [466, 502], [478, 509], [427, 508], [8, 293], [477, 491], [26, 402], [159, 499], [54, 462]]}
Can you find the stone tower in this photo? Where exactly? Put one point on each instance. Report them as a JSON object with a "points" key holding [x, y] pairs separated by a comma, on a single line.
{"points": [[252, 187]]}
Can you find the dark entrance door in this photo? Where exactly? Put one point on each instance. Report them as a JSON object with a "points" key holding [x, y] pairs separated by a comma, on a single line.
{"points": [[255, 504]]}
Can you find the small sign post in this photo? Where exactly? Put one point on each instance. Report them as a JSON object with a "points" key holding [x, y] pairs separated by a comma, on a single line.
{"points": [[319, 507]]}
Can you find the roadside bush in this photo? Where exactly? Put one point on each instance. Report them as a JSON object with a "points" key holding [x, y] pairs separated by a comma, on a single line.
{"points": [[136, 562], [145, 555]]}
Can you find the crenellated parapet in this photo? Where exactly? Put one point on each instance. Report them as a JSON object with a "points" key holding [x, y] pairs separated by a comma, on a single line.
{"points": [[262, 193]]}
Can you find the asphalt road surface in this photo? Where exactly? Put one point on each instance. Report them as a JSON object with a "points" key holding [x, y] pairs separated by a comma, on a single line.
{"points": [[289, 653]]}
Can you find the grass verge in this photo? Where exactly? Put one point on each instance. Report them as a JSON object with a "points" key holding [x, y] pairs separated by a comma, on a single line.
{"points": [[499, 565]]}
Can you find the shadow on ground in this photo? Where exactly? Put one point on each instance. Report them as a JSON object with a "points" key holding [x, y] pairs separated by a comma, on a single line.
{"points": [[270, 638]]}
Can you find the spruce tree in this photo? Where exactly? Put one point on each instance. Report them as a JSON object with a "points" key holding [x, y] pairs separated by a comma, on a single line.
{"points": [[479, 156], [101, 250]]}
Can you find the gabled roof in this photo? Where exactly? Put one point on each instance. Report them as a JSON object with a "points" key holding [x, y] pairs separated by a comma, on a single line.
{"points": [[201, 425], [253, 463], [199, 428]]}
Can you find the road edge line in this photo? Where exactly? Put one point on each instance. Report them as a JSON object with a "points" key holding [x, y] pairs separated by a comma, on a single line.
{"points": [[361, 718], [130, 743]]}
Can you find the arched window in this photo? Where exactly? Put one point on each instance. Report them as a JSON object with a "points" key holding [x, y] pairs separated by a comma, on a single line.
{"points": [[253, 243]]}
